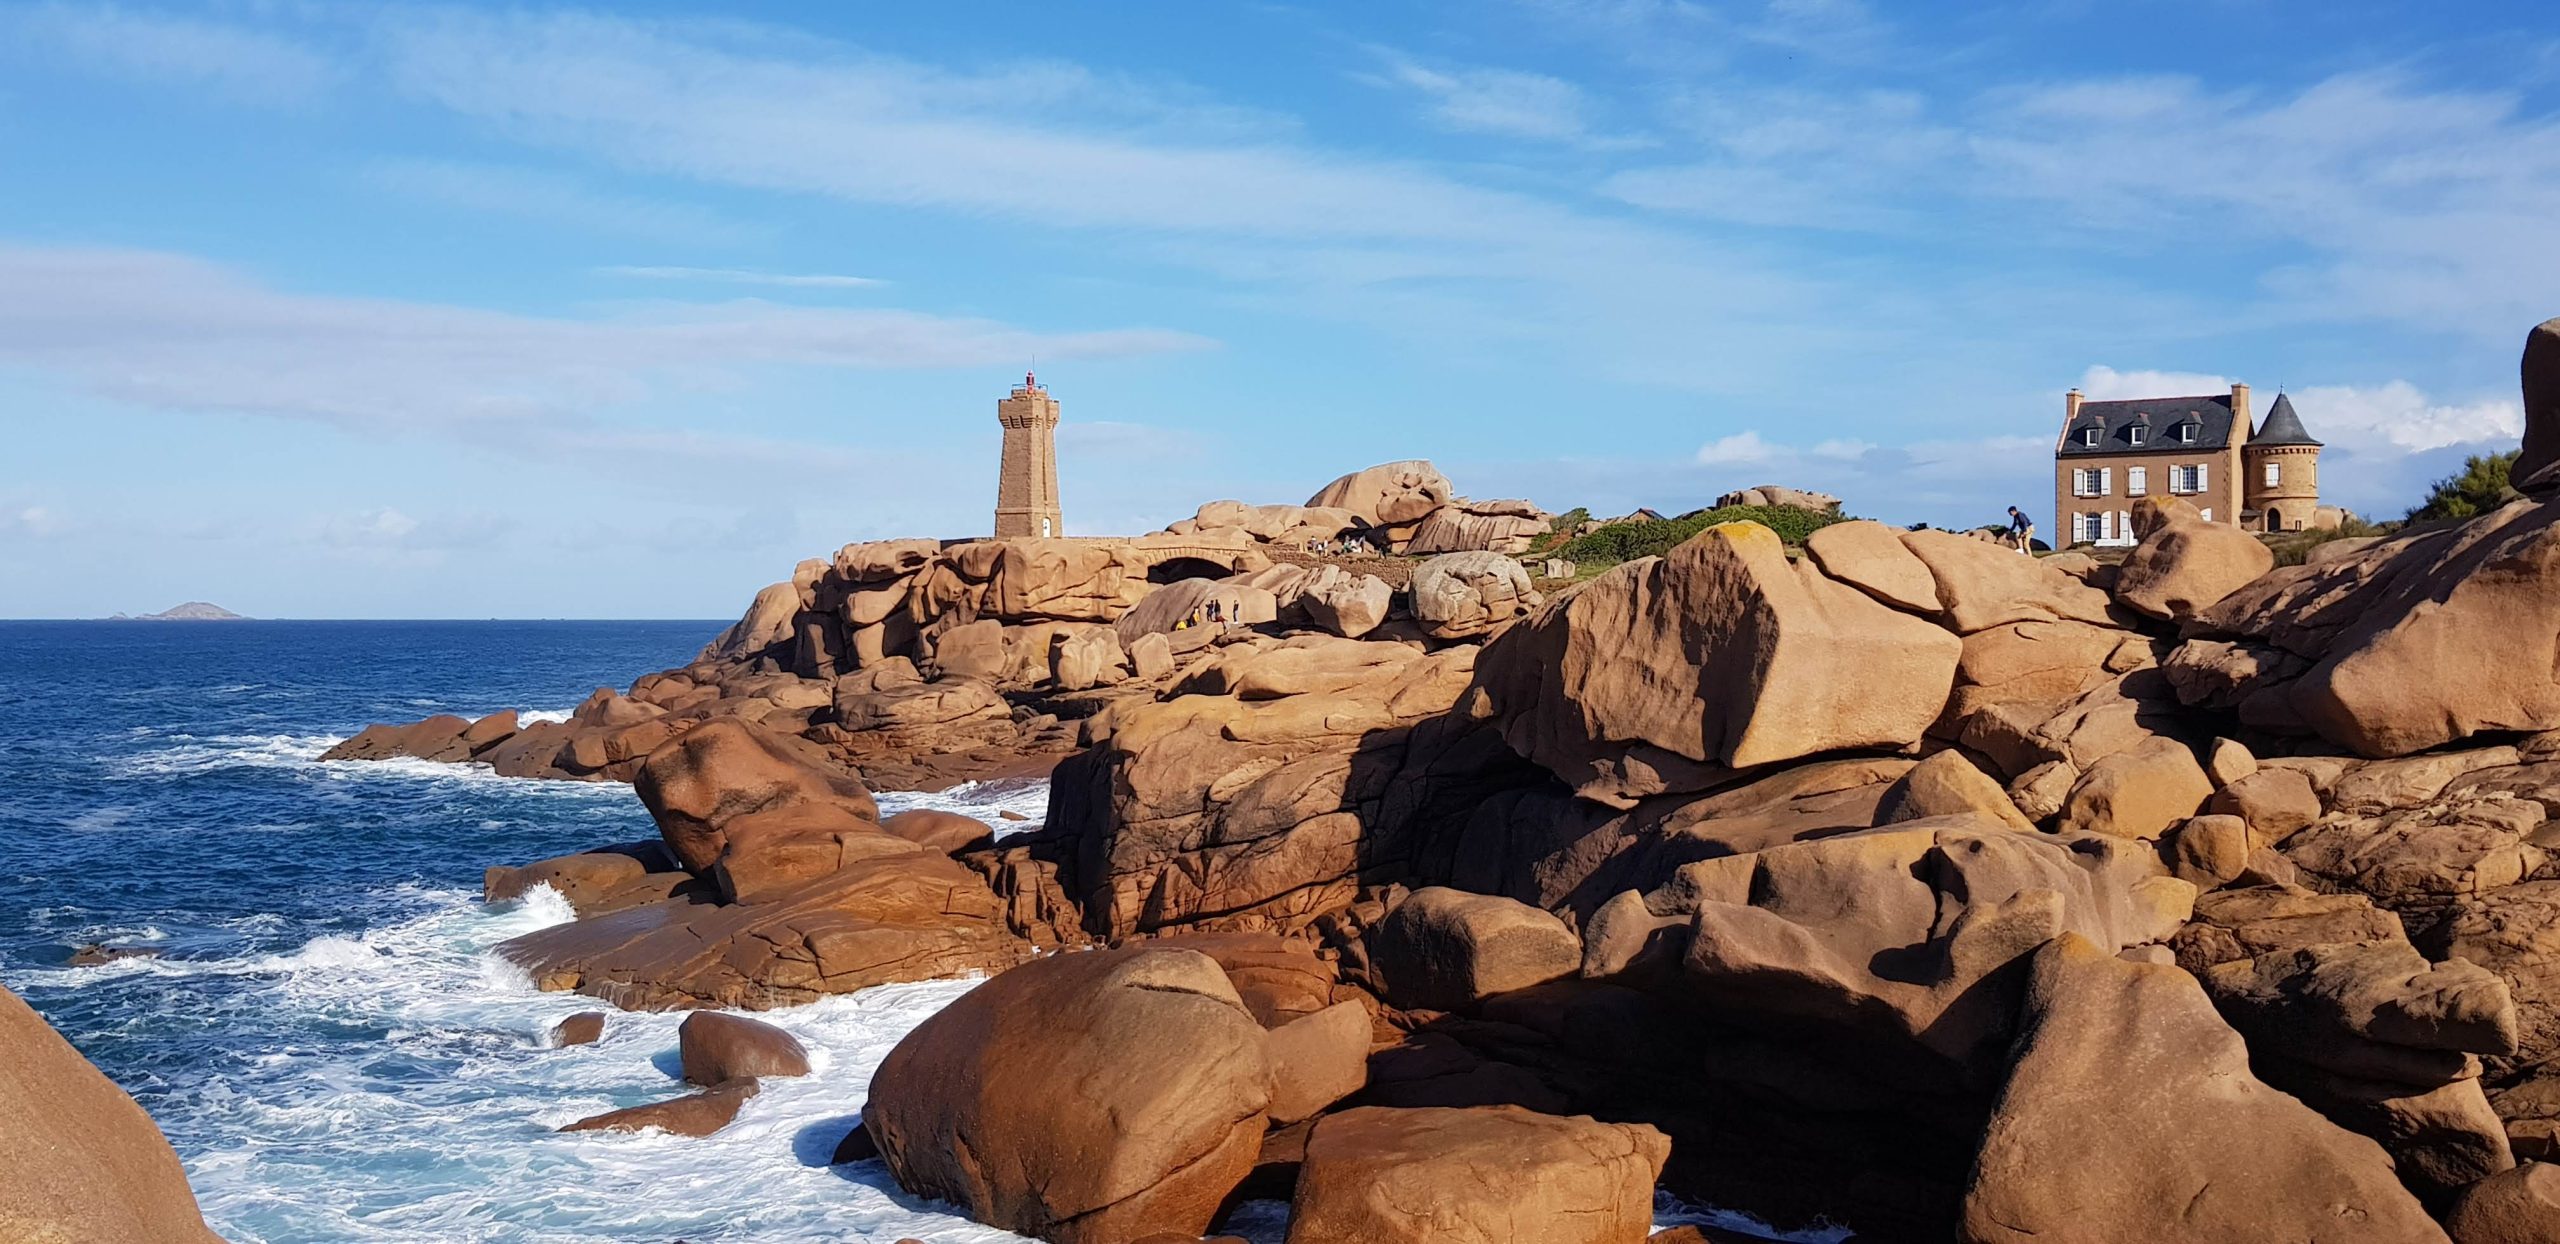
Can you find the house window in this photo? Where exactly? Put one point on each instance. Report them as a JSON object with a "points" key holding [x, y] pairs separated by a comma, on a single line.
{"points": [[2186, 479], [2186, 434], [2137, 481], [2134, 435], [2208, 514], [2088, 482], [2089, 437], [2274, 473]]}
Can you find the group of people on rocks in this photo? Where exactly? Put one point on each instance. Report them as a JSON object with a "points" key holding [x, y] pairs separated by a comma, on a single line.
{"points": [[1345, 546]]}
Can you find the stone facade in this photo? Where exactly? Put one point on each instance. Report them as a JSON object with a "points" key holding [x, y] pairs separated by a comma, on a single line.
{"points": [[2283, 465], [1027, 481], [2201, 449], [2138, 452]]}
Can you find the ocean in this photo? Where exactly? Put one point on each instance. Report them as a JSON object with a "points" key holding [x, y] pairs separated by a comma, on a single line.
{"points": [[325, 1039]]}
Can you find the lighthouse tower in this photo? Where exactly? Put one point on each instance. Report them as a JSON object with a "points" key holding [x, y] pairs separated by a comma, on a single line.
{"points": [[1027, 481]]}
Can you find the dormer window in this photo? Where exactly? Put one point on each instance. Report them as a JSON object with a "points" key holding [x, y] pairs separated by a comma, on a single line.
{"points": [[2134, 434], [2186, 434], [2089, 437]]}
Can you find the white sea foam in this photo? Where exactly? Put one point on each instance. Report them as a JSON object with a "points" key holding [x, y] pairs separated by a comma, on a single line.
{"points": [[529, 716]]}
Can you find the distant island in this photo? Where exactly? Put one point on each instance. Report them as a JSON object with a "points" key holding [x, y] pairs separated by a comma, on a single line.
{"points": [[192, 611]]}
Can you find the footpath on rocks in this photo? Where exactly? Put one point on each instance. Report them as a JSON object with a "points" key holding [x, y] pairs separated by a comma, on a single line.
{"points": [[1897, 881]]}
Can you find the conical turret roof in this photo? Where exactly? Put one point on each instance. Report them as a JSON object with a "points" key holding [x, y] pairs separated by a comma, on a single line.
{"points": [[2283, 427]]}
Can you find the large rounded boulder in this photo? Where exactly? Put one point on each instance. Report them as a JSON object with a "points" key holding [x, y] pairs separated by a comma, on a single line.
{"points": [[715, 773], [80, 1163], [1089, 1098], [1388, 494]]}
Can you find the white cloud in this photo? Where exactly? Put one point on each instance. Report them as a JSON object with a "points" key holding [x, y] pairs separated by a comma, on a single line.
{"points": [[2105, 384], [31, 521], [176, 333], [2398, 418], [742, 276], [385, 526], [1843, 448], [161, 49], [1739, 449]]}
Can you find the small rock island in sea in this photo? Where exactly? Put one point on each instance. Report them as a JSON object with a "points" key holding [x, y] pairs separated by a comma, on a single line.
{"points": [[1814, 869], [191, 611]]}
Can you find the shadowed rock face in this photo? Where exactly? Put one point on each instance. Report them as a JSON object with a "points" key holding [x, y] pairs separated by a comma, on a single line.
{"points": [[2125, 1068], [80, 1163]]}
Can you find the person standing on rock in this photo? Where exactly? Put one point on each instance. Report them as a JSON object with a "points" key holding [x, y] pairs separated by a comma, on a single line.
{"points": [[2022, 531]]}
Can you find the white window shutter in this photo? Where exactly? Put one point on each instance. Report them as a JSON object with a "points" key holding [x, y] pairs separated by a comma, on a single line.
{"points": [[2201, 484], [2106, 481]]}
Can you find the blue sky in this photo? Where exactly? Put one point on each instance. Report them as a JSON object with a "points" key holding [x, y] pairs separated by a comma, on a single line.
{"points": [[418, 311]]}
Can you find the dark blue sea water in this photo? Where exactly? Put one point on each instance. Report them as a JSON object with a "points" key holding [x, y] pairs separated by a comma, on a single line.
{"points": [[325, 1040]]}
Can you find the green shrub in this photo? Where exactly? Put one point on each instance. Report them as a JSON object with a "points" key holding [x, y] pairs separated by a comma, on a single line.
{"points": [[1571, 519], [1623, 542], [2481, 487]]}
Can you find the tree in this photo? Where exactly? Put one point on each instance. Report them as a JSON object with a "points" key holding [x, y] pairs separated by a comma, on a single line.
{"points": [[2481, 487]]}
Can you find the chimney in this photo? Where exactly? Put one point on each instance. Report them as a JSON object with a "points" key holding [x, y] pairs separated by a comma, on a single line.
{"points": [[2070, 406], [2240, 412]]}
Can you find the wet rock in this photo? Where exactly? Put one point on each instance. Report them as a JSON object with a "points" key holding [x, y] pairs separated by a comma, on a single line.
{"points": [[694, 1114], [583, 1028], [717, 1048]]}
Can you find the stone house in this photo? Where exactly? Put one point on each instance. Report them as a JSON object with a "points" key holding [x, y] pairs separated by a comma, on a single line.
{"points": [[2200, 448]]}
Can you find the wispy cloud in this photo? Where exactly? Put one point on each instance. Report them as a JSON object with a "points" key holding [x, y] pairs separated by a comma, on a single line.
{"points": [[158, 48], [743, 276], [557, 198], [172, 332], [1506, 103]]}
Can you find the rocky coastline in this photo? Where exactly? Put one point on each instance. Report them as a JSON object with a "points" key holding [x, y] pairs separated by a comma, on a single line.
{"points": [[1897, 881]]}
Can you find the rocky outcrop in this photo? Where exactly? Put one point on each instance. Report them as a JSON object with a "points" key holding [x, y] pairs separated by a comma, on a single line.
{"points": [[697, 786], [2417, 641], [1259, 792], [1446, 950], [2193, 1146], [1676, 673], [2185, 564], [2534, 471], [1781, 495], [1460, 595], [1387, 495], [80, 1163]]}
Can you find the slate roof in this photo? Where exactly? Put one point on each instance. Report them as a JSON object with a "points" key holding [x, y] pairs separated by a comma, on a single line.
{"points": [[2283, 427], [2159, 417]]}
